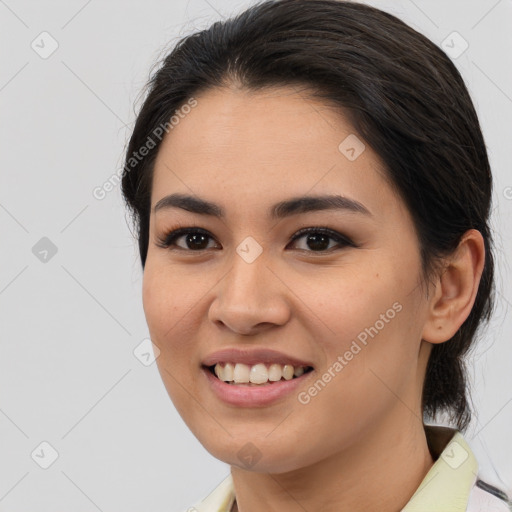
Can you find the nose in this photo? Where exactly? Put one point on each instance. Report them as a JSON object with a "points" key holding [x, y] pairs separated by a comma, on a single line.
{"points": [[250, 298]]}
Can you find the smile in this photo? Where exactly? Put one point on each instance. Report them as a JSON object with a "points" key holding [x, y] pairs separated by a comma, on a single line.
{"points": [[249, 394], [257, 374]]}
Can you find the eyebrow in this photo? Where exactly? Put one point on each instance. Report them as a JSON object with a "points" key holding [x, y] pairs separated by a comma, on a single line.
{"points": [[293, 206]]}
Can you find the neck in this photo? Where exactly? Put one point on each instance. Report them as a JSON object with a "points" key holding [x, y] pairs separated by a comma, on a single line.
{"points": [[380, 471]]}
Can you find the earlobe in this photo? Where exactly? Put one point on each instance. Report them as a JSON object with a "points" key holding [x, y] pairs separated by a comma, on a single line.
{"points": [[456, 289]]}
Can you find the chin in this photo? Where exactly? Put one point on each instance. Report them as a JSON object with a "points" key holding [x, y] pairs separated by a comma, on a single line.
{"points": [[252, 455]]}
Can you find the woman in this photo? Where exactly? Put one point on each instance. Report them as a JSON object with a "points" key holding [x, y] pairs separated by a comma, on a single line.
{"points": [[311, 193]]}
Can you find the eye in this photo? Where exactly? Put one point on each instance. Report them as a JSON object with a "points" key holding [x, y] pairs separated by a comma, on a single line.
{"points": [[196, 239], [317, 238]]}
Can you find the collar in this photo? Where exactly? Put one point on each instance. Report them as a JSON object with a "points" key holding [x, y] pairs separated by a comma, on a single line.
{"points": [[446, 486], [449, 481]]}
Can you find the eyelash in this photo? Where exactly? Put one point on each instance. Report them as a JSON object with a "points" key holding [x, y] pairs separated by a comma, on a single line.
{"points": [[170, 237]]}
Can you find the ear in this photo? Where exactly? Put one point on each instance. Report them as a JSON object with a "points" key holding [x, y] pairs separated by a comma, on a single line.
{"points": [[455, 289]]}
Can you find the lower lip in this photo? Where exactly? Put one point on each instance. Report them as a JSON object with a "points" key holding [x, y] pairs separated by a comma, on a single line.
{"points": [[253, 396]]}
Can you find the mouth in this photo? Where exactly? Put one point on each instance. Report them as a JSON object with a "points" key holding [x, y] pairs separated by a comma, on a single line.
{"points": [[238, 374], [259, 385]]}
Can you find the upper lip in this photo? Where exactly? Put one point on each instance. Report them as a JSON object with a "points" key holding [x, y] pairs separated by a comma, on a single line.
{"points": [[251, 357]]}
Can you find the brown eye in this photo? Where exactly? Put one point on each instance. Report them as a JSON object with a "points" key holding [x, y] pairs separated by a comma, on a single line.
{"points": [[194, 239], [318, 239]]}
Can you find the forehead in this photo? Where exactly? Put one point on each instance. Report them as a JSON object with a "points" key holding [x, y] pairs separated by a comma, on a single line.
{"points": [[247, 147]]}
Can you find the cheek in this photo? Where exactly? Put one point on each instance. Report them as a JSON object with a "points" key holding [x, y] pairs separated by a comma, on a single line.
{"points": [[370, 360], [369, 319], [350, 304], [169, 307]]}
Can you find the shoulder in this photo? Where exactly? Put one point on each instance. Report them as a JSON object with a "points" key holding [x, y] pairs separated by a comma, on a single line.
{"points": [[487, 498]]}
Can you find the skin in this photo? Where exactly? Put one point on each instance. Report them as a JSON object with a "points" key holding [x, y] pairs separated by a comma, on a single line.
{"points": [[359, 444]]}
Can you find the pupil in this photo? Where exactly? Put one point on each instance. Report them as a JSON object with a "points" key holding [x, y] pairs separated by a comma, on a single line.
{"points": [[318, 239], [197, 240]]}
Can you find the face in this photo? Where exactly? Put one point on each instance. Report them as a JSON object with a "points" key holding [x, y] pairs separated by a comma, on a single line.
{"points": [[346, 300]]}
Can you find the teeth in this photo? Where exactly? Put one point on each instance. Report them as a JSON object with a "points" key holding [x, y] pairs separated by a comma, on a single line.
{"points": [[298, 371], [275, 372], [240, 373], [288, 372], [258, 374], [229, 371]]}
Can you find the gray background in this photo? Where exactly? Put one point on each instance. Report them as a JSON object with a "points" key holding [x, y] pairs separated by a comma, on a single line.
{"points": [[70, 324]]}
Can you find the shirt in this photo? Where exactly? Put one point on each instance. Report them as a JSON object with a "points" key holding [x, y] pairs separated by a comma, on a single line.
{"points": [[451, 485]]}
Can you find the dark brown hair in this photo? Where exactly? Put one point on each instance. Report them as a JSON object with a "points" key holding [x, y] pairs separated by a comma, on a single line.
{"points": [[404, 98]]}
